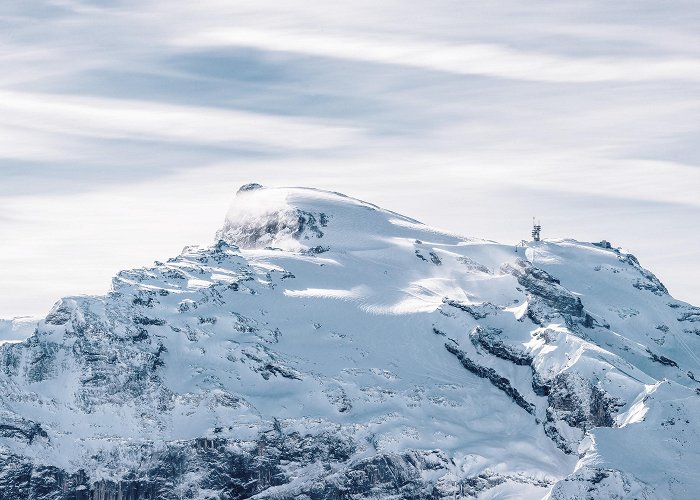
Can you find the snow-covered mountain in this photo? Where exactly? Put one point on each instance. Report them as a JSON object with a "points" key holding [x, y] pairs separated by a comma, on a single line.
{"points": [[325, 348]]}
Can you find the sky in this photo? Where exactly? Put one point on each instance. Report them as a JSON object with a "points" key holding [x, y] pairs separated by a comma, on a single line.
{"points": [[127, 126]]}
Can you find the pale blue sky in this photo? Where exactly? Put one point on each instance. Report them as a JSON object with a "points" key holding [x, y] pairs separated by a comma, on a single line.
{"points": [[125, 127]]}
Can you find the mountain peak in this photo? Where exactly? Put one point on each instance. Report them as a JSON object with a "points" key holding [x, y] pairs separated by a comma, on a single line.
{"points": [[301, 219]]}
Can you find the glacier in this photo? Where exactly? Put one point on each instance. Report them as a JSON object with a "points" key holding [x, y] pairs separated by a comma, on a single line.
{"points": [[324, 348]]}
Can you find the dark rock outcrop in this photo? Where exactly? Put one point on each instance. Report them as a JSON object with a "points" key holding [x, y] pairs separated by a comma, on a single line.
{"points": [[548, 299], [578, 403], [490, 374], [488, 339]]}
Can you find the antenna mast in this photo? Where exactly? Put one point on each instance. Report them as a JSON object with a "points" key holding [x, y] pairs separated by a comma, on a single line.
{"points": [[536, 229]]}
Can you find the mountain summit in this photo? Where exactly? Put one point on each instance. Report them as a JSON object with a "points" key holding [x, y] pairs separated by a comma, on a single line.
{"points": [[298, 219], [325, 348]]}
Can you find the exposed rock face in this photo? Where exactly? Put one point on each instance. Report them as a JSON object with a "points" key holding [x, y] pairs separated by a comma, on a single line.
{"points": [[323, 348], [647, 280], [548, 299], [232, 469], [15, 427], [489, 340], [229, 472], [497, 380], [579, 404], [571, 399], [593, 483]]}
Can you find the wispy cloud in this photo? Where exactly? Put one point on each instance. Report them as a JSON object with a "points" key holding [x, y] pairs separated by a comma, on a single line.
{"points": [[464, 59], [122, 119]]}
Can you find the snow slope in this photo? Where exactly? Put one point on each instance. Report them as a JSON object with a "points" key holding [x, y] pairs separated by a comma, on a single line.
{"points": [[325, 347]]}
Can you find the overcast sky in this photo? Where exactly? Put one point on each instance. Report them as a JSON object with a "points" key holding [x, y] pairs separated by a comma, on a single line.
{"points": [[126, 127]]}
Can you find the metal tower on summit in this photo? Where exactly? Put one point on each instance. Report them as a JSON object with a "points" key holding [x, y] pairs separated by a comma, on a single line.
{"points": [[536, 229]]}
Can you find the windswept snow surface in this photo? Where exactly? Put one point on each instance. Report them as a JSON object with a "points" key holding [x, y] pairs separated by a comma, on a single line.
{"points": [[325, 347]]}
